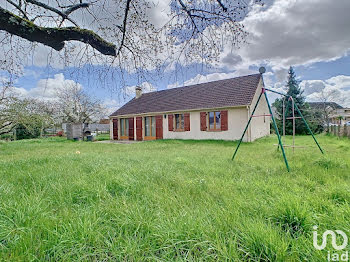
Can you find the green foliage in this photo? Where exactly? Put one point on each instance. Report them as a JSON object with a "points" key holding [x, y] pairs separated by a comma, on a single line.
{"points": [[25, 132], [6, 136], [294, 90], [170, 200]]}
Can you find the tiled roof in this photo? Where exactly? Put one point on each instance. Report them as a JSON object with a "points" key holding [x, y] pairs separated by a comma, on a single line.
{"points": [[232, 92]]}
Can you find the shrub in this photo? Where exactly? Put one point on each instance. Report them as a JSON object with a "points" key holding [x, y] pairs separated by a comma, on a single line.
{"points": [[23, 132], [6, 137]]}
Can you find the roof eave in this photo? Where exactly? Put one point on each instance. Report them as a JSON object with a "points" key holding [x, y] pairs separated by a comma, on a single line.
{"points": [[177, 111]]}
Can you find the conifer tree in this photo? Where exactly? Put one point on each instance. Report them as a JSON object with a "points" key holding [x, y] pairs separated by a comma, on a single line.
{"points": [[293, 90]]}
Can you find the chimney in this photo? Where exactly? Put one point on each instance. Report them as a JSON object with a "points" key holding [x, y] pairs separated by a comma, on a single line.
{"points": [[138, 91]]}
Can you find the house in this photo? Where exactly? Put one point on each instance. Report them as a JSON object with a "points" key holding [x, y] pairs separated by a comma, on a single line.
{"points": [[213, 110], [336, 114]]}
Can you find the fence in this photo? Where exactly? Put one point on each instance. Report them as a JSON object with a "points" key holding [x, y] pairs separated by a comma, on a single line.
{"points": [[340, 131]]}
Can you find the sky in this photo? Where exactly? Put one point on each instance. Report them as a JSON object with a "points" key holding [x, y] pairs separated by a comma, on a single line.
{"points": [[310, 35]]}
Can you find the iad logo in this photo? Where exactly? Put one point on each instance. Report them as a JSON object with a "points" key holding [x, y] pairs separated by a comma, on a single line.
{"points": [[332, 256]]}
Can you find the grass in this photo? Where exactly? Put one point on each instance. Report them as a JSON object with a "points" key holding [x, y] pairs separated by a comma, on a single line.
{"points": [[170, 200], [101, 137]]}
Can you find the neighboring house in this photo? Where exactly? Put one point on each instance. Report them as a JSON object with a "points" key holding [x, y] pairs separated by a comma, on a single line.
{"points": [[214, 110], [104, 121], [336, 114]]}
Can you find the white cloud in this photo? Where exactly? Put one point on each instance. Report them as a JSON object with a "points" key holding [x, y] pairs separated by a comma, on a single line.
{"points": [[335, 89], [146, 88], [111, 105], [46, 89], [198, 79], [294, 32], [341, 81], [159, 12]]}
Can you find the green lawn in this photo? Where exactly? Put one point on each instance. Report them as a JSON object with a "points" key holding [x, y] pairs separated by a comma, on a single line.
{"points": [[101, 137], [170, 200]]}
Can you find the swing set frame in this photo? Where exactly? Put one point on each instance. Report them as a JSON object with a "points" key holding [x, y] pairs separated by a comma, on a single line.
{"points": [[280, 144]]}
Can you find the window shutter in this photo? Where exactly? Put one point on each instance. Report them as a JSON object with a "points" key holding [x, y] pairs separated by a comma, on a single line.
{"points": [[171, 122], [131, 128], [159, 127], [187, 121], [139, 128], [115, 129], [203, 121], [224, 121]]}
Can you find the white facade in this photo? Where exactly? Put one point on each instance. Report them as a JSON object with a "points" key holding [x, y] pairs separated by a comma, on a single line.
{"points": [[235, 118]]}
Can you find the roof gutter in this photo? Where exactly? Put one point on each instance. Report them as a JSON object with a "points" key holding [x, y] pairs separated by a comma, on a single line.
{"points": [[177, 111]]}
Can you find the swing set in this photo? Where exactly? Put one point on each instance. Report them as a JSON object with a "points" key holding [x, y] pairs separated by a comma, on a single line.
{"points": [[285, 110]]}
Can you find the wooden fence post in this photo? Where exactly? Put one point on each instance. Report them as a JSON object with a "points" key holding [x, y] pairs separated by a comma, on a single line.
{"points": [[345, 131]]}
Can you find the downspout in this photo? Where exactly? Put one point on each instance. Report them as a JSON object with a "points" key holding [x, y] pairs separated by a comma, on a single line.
{"points": [[135, 133], [249, 131]]}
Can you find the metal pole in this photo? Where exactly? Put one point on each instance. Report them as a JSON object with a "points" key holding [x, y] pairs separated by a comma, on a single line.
{"points": [[278, 134], [293, 115], [273, 91], [284, 118], [286, 111], [245, 130], [302, 117]]}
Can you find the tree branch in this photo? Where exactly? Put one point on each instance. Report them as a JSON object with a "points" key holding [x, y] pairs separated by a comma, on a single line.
{"points": [[222, 5], [47, 7], [6, 128], [18, 8], [52, 9], [52, 37], [190, 15], [72, 8], [124, 24]]}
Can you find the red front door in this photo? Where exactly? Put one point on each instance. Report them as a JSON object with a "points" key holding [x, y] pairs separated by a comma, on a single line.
{"points": [[159, 127], [139, 128], [115, 129]]}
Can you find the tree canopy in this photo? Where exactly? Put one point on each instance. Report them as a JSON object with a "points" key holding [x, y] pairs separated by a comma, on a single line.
{"points": [[295, 91], [123, 34]]}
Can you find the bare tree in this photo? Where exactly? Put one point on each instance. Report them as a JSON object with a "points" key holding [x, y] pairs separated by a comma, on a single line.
{"points": [[76, 106], [327, 105], [120, 34], [7, 98]]}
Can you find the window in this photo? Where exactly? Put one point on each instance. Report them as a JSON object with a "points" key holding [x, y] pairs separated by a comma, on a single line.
{"points": [[179, 122], [150, 126], [214, 120], [124, 128]]}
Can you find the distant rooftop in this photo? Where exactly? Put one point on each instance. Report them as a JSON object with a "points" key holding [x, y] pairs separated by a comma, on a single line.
{"points": [[320, 105]]}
